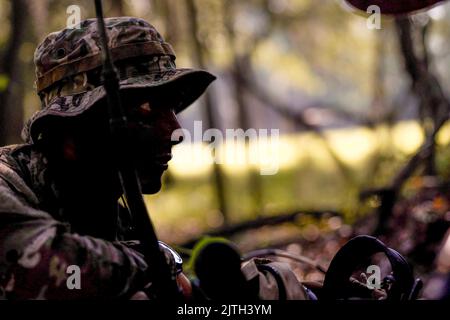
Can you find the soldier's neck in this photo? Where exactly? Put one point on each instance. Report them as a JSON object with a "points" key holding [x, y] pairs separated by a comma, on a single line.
{"points": [[89, 202]]}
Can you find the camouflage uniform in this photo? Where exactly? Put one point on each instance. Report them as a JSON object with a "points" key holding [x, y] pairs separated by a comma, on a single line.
{"points": [[36, 241]]}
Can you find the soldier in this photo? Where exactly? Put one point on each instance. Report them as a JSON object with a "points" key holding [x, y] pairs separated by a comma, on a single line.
{"points": [[59, 192]]}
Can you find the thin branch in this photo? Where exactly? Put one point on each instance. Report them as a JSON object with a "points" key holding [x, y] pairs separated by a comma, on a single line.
{"points": [[294, 116], [261, 222], [427, 87]]}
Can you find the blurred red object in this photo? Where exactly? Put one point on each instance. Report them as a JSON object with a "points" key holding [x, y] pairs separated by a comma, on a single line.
{"points": [[394, 6]]}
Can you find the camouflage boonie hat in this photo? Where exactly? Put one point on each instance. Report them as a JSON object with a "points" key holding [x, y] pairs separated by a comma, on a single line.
{"points": [[69, 63]]}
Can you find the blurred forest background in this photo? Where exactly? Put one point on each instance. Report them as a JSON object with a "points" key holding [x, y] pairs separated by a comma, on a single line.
{"points": [[361, 114]]}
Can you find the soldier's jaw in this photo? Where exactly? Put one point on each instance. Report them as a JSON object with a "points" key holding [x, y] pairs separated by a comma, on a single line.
{"points": [[151, 186], [151, 181]]}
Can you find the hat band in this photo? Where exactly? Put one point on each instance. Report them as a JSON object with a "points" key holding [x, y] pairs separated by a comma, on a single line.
{"points": [[87, 81]]}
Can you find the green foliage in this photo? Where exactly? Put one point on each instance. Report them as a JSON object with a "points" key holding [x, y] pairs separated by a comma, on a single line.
{"points": [[4, 81], [189, 267]]}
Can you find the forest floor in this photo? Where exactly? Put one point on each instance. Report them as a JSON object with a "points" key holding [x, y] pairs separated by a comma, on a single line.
{"points": [[416, 228]]}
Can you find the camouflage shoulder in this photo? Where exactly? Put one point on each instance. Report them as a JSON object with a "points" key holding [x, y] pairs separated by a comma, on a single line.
{"points": [[7, 155], [14, 170]]}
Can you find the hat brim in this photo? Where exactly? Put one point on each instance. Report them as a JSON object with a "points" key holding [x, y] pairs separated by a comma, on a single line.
{"points": [[187, 85]]}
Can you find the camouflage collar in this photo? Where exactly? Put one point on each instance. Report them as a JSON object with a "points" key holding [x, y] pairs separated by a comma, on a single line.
{"points": [[33, 166]]}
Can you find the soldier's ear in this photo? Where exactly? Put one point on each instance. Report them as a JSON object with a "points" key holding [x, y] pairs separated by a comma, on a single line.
{"points": [[69, 149]]}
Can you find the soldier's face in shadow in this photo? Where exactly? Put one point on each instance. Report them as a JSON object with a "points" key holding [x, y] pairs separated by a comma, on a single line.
{"points": [[152, 121], [88, 153]]}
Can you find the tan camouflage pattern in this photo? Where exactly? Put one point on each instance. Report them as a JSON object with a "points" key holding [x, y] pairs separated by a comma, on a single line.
{"points": [[72, 51], [37, 245], [81, 82], [68, 68]]}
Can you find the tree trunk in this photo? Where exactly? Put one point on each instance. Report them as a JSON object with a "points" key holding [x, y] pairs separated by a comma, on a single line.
{"points": [[435, 105], [241, 64], [172, 25], [40, 16], [117, 8], [199, 57], [11, 98], [425, 84]]}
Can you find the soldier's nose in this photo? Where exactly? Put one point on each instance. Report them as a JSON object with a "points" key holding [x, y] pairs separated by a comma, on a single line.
{"points": [[177, 137], [176, 134]]}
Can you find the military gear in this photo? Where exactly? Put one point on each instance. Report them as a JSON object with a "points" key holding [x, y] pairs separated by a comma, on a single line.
{"points": [[68, 69], [37, 244], [275, 280], [222, 275], [336, 285]]}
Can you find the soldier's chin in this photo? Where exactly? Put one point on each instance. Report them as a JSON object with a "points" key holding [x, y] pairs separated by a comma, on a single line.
{"points": [[151, 186], [150, 178]]}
